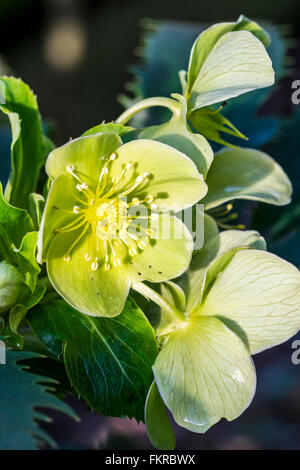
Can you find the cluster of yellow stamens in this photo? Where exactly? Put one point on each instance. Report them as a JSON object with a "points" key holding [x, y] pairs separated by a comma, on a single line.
{"points": [[103, 209]]}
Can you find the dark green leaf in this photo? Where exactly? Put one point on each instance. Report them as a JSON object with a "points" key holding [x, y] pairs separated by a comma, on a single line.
{"points": [[29, 146], [108, 361], [14, 224], [21, 393]]}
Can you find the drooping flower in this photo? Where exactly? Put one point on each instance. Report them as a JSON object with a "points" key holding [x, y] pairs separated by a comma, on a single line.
{"points": [[103, 222], [238, 301]]}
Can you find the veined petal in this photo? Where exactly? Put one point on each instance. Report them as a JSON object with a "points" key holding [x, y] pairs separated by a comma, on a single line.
{"points": [[175, 182], [58, 211], [209, 257], [246, 174], [204, 372], [166, 255], [238, 63], [177, 134], [208, 38], [82, 280], [84, 154], [259, 293]]}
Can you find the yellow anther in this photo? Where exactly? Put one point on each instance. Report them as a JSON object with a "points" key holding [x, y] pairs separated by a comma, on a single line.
{"points": [[76, 209], [67, 257], [141, 245], [149, 198], [113, 156], [132, 252], [117, 262], [70, 169], [135, 201], [94, 266], [107, 266], [87, 257]]}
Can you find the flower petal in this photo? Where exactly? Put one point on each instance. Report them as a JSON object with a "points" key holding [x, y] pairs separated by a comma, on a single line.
{"points": [[208, 39], [204, 372], [194, 280], [84, 154], [177, 134], [259, 293], [98, 293], [175, 182], [167, 255], [246, 174], [238, 63], [61, 198]]}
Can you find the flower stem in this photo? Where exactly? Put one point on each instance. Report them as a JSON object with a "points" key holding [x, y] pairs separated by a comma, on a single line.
{"points": [[151, 294], [172, 105]]}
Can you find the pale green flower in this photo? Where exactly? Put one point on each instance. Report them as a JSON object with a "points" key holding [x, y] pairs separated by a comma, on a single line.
{"points": [[94, 244], [237, 300]]}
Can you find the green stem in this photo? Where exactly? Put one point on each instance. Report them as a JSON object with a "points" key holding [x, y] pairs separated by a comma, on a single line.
{"points": [[172, 105], [151, 294]]}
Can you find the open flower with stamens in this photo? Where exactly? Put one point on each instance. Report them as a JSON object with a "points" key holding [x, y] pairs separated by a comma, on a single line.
{"points": [[107, 220]]}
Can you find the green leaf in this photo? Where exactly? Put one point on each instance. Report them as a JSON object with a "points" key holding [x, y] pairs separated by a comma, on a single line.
{"points": [[177, 134], [14, 224], [260, 294], [26, 259], [109, 127], [108, 361], [246, 174], [158, 425], [204, 372], [36, 208], [208, 39], [21, 394], [29, 146]]}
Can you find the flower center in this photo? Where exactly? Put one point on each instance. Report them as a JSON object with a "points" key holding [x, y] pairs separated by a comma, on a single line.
{"points": [[118, 222]]}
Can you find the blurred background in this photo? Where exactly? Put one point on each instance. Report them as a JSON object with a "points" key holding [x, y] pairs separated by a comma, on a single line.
{"points": [[76, 55]]}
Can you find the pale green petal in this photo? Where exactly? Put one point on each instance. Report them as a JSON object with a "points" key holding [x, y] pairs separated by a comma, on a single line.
{"points": [[175, 182], [61, 198], [246, 174], [97, 293], [238, 63], [260, 294], [174, 295], [209, 258], [204, 372], [176, 134], [84, 154], [208, 38], [166, 255], [157, 422]]}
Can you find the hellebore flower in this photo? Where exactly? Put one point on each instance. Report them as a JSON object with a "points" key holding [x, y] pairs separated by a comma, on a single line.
{"points": [[227, 60], [102, 225], [238, 301]]}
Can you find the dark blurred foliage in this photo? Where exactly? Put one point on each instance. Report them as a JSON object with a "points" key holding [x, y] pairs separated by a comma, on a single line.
{"points": [[75, 55]]}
